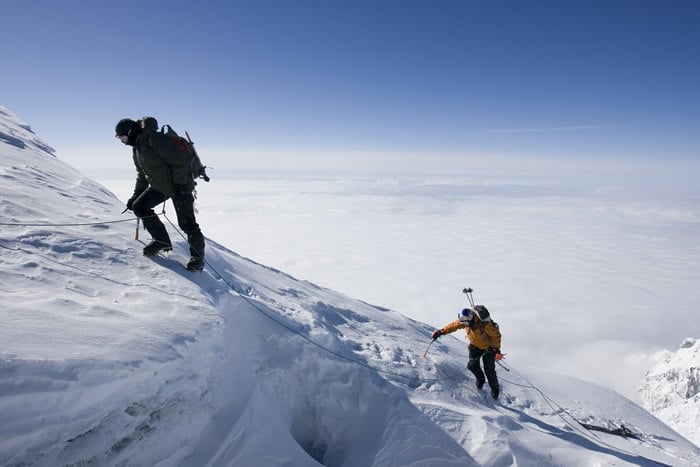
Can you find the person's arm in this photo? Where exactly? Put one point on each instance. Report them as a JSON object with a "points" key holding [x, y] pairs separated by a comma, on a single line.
{"points": [[140, 185], [449, 329], [141, 182]]}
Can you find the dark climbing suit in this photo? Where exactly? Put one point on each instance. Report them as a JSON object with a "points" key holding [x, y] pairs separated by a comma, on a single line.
{"points": [[163, 174]]}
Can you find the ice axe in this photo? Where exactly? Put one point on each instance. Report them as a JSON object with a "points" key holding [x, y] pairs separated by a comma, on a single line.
{"points": [[499, 357], [502, 365], [428, 348], [138, 221]]}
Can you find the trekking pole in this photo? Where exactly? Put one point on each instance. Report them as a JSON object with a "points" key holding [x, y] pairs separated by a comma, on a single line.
{"points": [[138, 221], [428, 348], [468, 292]]}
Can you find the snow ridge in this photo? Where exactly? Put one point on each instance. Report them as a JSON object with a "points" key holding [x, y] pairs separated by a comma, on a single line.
{"points": [[671, 389], [18, 134], [111, 358]]}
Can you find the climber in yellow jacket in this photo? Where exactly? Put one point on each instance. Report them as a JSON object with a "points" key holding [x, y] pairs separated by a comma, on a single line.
{"points": [[484, 344]]}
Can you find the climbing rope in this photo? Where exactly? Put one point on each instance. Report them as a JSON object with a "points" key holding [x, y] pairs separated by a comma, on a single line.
{"points": [[99, 276], [254, 305], [76, 224], [586, 429]]}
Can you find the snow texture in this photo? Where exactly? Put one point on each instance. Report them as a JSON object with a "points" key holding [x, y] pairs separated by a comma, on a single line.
{"points": [[111, 358], [671, 389], [15, 133]]}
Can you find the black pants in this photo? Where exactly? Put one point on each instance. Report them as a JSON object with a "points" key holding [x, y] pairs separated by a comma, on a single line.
{"points": [[184, 209], [489, 358]]}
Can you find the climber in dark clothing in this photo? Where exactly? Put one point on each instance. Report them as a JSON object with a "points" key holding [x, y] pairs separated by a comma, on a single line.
{"points": [[161, 174]]}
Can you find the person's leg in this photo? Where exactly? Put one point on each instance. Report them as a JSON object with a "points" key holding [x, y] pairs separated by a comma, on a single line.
{"points": [[143, 209], [474, 365], [184, 208], [489, 359]]}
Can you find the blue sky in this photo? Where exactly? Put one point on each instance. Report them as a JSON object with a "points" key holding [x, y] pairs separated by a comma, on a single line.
{"points": [[547, 78]]}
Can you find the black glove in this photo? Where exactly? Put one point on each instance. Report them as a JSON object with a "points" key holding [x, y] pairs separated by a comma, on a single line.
{"points": [[494, 350], [130, 204], [437, 333]]}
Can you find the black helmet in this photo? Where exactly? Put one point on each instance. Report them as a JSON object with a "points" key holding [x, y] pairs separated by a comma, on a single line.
{"points": [[124, 126]]}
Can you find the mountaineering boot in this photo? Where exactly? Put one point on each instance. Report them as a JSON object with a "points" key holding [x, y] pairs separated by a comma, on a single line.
{"points": [[494, 393], [161, 240], [196, 241], [196, 264], [155, 247], [479, 384]]}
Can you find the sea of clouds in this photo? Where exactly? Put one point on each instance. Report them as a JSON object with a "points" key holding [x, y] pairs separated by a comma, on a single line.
{"points": [[589, 271]]}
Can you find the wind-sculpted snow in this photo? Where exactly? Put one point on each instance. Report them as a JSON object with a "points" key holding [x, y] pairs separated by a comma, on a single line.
{"points": [[12, 140], [111, 358], [14, 133], [671, 389]]}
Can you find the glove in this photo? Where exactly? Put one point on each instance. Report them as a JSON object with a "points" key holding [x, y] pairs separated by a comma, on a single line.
{"points": [[499, 355], [130, 204], [437, 333]]}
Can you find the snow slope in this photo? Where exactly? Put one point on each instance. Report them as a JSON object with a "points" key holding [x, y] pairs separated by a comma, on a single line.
{"points": [[111, 358], [671, 389]]}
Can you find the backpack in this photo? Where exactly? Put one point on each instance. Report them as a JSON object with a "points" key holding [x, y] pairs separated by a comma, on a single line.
{"points": [[186, 148], [484, 316]]}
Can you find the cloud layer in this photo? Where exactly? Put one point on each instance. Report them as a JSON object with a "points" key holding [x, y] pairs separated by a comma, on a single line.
{"points": [[585, 276]]}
